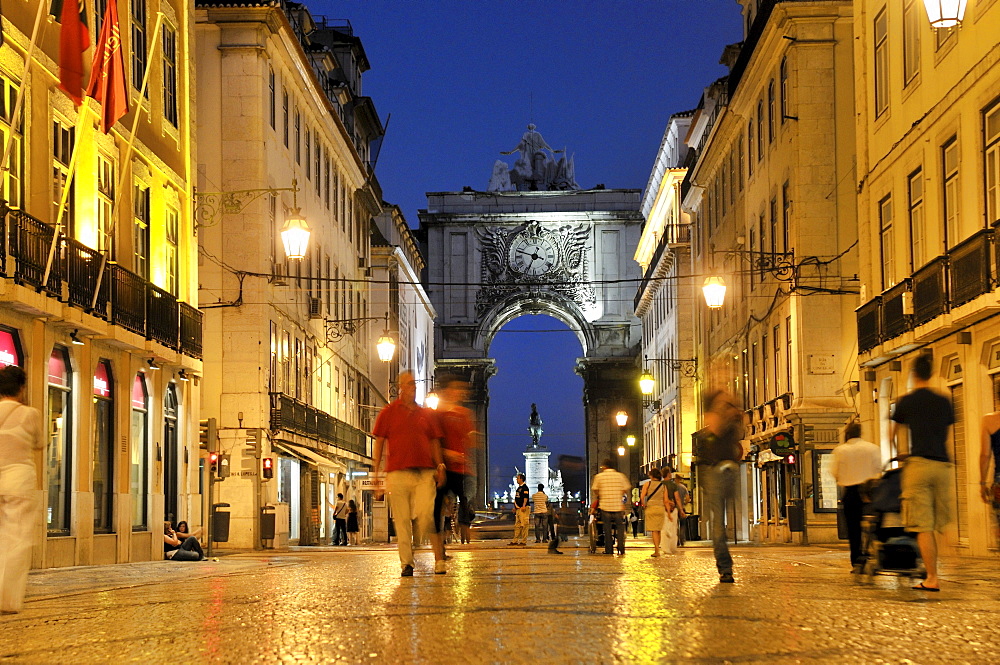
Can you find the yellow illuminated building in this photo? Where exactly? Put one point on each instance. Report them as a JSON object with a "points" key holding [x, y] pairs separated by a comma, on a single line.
{"points": [[99, 304], [928, 164]]}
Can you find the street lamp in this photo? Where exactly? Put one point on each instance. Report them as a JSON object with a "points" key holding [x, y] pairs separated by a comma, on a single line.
{"points": [[647, 383], [621, 418], [715, 291], [295, 236], [386, 346], [630, 440], [945, 13], [621, 451]]}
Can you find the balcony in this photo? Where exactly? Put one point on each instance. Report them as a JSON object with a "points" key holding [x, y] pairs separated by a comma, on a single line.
{"points": [[292, 415], [970, 267], [930, 291], [76, 278], [869, 330], [895, 320], [673, 234]]}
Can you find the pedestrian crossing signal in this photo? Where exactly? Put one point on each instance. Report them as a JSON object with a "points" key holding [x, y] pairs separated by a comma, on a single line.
{"points": [[267, 470]]}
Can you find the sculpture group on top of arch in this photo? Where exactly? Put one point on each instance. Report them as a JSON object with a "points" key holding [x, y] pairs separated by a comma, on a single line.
{"points": [[537, 168]]}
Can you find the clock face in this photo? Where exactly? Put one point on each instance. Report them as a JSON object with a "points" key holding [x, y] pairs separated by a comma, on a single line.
{"points": [[533, 256]]}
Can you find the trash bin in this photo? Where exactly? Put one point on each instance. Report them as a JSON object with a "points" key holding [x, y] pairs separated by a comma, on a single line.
{"points": [[796, 518], [267, 523], [220, 522], [691, 528]]}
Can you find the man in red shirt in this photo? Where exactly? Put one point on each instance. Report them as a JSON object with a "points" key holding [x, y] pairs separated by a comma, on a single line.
{"points": [[457, 443], [410, 437]]}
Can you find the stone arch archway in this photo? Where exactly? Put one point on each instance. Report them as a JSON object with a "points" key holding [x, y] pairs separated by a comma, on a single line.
{"points": [[535, 244]]}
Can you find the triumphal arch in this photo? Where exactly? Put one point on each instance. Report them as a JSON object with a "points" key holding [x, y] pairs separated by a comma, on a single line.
{"points": [[534, 242]]}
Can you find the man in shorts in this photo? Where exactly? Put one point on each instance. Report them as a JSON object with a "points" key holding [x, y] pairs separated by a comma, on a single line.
{"points": [[927, 492]]}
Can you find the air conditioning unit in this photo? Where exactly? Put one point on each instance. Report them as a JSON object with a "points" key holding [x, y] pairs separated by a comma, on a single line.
{"points": [[908, 303], [315, 307]]}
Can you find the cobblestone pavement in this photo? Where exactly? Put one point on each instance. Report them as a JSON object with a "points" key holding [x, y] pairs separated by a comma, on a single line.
{"points": [[500, 604]]}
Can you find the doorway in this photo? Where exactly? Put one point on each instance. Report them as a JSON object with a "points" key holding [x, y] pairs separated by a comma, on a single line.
{"points": [[171, 454]]}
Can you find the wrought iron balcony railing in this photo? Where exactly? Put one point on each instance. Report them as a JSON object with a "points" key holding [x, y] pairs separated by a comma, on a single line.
{"points": [[930, 291], [895, 320], [114, 294], [970, 267], [869, 324], [287, 413]]}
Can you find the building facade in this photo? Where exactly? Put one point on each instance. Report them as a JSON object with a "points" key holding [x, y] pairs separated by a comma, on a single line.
{"points": [[289, 348], [928, 153], [98, 283], [773, 205], [665, 304]]}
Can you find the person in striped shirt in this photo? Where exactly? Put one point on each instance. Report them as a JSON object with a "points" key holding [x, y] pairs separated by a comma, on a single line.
{"points": [[540, 509]]}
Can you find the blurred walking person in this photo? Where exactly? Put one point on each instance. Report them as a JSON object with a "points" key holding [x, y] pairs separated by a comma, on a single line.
{"points": [[717, 452], [457, 443], [655, 506], [409, 437], [989, 457], [20, 437], [675, 511], [610, 492], [685, 497], [855, 462], [928, 494]]}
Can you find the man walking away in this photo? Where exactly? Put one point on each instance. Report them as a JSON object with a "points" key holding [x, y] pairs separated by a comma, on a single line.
{"points": [[685, 497], [926, 483], [457, 444], [717, 451], [340, 521], [539, 502], [522, 512], [410, 437], [855, 462], [610, 490]]}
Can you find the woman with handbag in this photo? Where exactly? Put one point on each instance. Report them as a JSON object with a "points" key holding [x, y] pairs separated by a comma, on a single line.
{"points": [[20, 438], [656, 506]]}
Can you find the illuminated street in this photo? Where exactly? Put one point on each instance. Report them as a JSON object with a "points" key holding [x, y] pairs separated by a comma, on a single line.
{"points": [[499, 604]]}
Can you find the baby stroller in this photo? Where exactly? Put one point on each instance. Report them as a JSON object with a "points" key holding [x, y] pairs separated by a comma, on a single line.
{"points": [[887, 548], [595, 528]]}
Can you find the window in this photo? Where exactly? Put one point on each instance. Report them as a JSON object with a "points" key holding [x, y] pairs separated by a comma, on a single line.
{"points": [[326, 181], [763, 245], [100, 8], [783, 84], [298, 138], [63, 138], [881, 63], [911, 40], [139, 455], [140, 230], [105, 205], [786, 210], [272, 101], [949, 158], [308, 155], [788, 354], [774, 226], [10, 180], [753, 375], [170, 75], [739, 168], [284, 116], [138, 8], [173, 220], [770, 112], [918, 232], [942, 35], [760, 129], [318, 168], [750, 148], [764, 369], [104, 449], [776, 353], [753, 248], [991, 127], [886, 242], [59, 451]]}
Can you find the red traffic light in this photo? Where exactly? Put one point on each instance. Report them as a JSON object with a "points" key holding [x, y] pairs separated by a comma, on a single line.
{"points": [[790, 459], [267, 468]]}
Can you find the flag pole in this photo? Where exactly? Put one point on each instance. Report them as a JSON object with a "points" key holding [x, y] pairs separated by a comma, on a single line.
{"points": [[29, 54], [128, 153]]}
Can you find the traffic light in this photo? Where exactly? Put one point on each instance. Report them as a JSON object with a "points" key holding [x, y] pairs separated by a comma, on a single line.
{"points": [[208, 434], [223, 467], [213, 464], [790, 459], [267, 468]]}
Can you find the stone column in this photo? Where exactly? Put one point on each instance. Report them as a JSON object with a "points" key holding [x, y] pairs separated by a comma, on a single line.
{"points": [[611, 385]]}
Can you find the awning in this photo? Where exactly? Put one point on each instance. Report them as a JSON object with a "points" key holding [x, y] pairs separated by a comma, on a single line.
{"points": [[307, 455]]}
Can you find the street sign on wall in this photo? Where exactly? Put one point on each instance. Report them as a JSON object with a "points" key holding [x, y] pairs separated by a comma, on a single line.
{"points": [[371, 483]]}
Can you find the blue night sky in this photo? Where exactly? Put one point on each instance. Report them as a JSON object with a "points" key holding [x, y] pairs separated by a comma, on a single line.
{"points": [[462, 79]]}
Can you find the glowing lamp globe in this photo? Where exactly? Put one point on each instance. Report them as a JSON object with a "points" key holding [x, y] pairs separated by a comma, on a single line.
{"points": [[945, 13], [295, 236], [630, 439], [621, 418], [646, 383], [621, 451], [386, 347], [715, 291], [432, 401]]}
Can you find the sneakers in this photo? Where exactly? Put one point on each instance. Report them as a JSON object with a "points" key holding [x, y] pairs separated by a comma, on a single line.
{"points": [[439, 568], [726, 578], [407, 571]]}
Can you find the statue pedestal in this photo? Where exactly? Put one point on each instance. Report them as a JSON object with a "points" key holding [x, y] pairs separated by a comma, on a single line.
{"points": [[536, 465]]}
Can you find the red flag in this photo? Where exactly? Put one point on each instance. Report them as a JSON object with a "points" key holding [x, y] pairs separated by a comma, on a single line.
{"points": [[74, 39], [107, 74]]}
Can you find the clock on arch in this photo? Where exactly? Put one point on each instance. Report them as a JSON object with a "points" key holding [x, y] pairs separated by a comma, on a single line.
{"points": [[533, 255]]}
